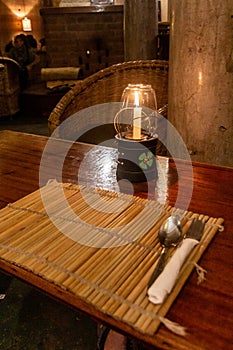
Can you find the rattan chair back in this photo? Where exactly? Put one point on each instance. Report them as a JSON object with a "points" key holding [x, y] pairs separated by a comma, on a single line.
{"points": [[9, 87], [107, 86]]}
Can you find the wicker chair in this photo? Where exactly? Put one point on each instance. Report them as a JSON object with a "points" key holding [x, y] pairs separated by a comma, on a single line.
{"points": [[9, 87], [107, 86]]}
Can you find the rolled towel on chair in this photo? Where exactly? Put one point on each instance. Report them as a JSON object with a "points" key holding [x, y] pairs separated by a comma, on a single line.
{"points": [[60, 73]]}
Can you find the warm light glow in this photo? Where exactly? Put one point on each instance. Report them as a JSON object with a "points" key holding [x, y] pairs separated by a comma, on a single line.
{"points": [[136, 99], [19, 10], [200, 78], [27, 27], [137, 117]]}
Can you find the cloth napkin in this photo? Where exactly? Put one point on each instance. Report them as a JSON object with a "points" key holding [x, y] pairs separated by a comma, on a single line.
{"points": [[163, 285]]}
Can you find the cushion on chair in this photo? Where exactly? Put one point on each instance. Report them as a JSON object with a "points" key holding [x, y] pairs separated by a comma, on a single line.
{"points": [[60, 73]]}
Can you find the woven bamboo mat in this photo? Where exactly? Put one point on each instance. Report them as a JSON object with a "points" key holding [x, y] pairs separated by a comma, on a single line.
{"points": [[103, 260]]}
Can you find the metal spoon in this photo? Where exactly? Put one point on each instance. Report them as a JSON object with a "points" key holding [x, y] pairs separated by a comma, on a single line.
{"points": [[170, 234]]}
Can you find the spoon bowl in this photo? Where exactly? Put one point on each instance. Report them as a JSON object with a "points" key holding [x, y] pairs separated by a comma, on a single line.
{"points": [[170, 235]]}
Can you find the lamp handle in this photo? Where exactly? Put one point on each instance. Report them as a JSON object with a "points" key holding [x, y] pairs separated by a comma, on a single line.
{"points": [[115, 121], [116, 118]]}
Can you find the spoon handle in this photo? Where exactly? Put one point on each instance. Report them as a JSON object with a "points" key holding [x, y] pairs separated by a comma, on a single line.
{"points": [[159, 267]]}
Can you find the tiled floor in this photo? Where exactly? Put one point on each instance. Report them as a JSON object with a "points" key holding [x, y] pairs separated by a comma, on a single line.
{"points": [[30, 320]]}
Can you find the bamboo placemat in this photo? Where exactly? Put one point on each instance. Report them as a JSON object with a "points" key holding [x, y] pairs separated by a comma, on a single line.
{"points": [[111, 269]]}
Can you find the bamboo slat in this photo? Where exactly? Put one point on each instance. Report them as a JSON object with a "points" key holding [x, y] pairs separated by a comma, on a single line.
{"points": [[112, 269]]}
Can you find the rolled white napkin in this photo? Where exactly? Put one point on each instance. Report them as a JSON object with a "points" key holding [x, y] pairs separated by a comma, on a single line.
{"points": [[163, 285]]}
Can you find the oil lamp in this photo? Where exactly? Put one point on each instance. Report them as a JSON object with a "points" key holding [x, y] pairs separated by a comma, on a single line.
{"points": [[135, 124]]}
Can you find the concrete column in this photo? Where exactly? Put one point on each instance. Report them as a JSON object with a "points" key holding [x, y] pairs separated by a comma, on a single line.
{"points": [[201, 78], [140, 29]]}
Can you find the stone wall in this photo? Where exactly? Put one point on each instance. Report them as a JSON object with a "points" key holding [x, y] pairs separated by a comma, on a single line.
{"points": [[88, 37]]}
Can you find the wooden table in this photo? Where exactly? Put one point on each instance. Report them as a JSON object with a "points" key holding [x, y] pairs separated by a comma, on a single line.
{"points": [[206, 310]]}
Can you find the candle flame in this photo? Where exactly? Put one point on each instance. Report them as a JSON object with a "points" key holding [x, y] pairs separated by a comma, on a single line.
{"points": [[136, 98]]}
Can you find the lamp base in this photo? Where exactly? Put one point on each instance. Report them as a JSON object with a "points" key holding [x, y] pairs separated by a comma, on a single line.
{"points": [[136, 159]]}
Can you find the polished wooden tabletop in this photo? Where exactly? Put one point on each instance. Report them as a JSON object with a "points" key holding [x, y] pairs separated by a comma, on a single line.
{"points": [[28, 161]]}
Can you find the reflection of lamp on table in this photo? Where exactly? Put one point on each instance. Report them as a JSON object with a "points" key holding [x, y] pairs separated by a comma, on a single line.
{"points": [[136, 124]]}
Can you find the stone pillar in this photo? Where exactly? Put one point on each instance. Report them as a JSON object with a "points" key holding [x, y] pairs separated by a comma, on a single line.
{"points": [[140, 29], [201, 78]]}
